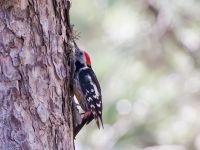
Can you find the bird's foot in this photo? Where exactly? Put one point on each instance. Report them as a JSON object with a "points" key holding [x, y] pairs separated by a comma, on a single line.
{"points": [[86, 114]]}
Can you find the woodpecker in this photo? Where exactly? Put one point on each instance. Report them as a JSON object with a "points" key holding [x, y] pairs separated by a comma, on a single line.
{"points": [[87, 90]]}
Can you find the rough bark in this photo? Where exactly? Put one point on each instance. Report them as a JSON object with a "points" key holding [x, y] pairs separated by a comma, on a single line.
{"points": [[35, 110]]}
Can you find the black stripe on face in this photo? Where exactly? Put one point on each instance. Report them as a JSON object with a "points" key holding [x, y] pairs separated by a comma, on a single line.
{"points": [[78, 66]]}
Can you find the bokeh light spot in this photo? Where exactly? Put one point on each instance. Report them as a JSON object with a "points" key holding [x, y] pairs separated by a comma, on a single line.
{"points": [[124, 107]]}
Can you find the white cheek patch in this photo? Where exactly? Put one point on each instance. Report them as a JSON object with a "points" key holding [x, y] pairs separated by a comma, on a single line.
{"points": [[82, 59]]}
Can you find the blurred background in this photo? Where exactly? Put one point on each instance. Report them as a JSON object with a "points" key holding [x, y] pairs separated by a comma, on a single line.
{"points": [[146, 54]]}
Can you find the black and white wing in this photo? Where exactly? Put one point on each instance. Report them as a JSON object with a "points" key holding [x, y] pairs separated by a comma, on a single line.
{"points": [[92, 91]]}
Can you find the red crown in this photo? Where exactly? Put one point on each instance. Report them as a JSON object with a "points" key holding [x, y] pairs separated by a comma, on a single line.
{"points": [[88, 61]]}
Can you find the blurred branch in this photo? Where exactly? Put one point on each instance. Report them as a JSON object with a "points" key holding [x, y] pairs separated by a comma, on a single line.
{"points": [[152, 7]]}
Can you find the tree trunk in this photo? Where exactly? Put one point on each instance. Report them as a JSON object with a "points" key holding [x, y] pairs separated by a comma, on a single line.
{"points": [[35, 108]]}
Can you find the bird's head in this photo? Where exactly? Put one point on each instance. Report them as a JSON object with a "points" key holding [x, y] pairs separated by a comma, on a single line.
{"points": [[83, 58]]}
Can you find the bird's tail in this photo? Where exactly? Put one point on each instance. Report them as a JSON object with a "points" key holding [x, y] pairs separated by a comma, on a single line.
{"points": [[80, 126], [87, 121], [99, 119]]}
